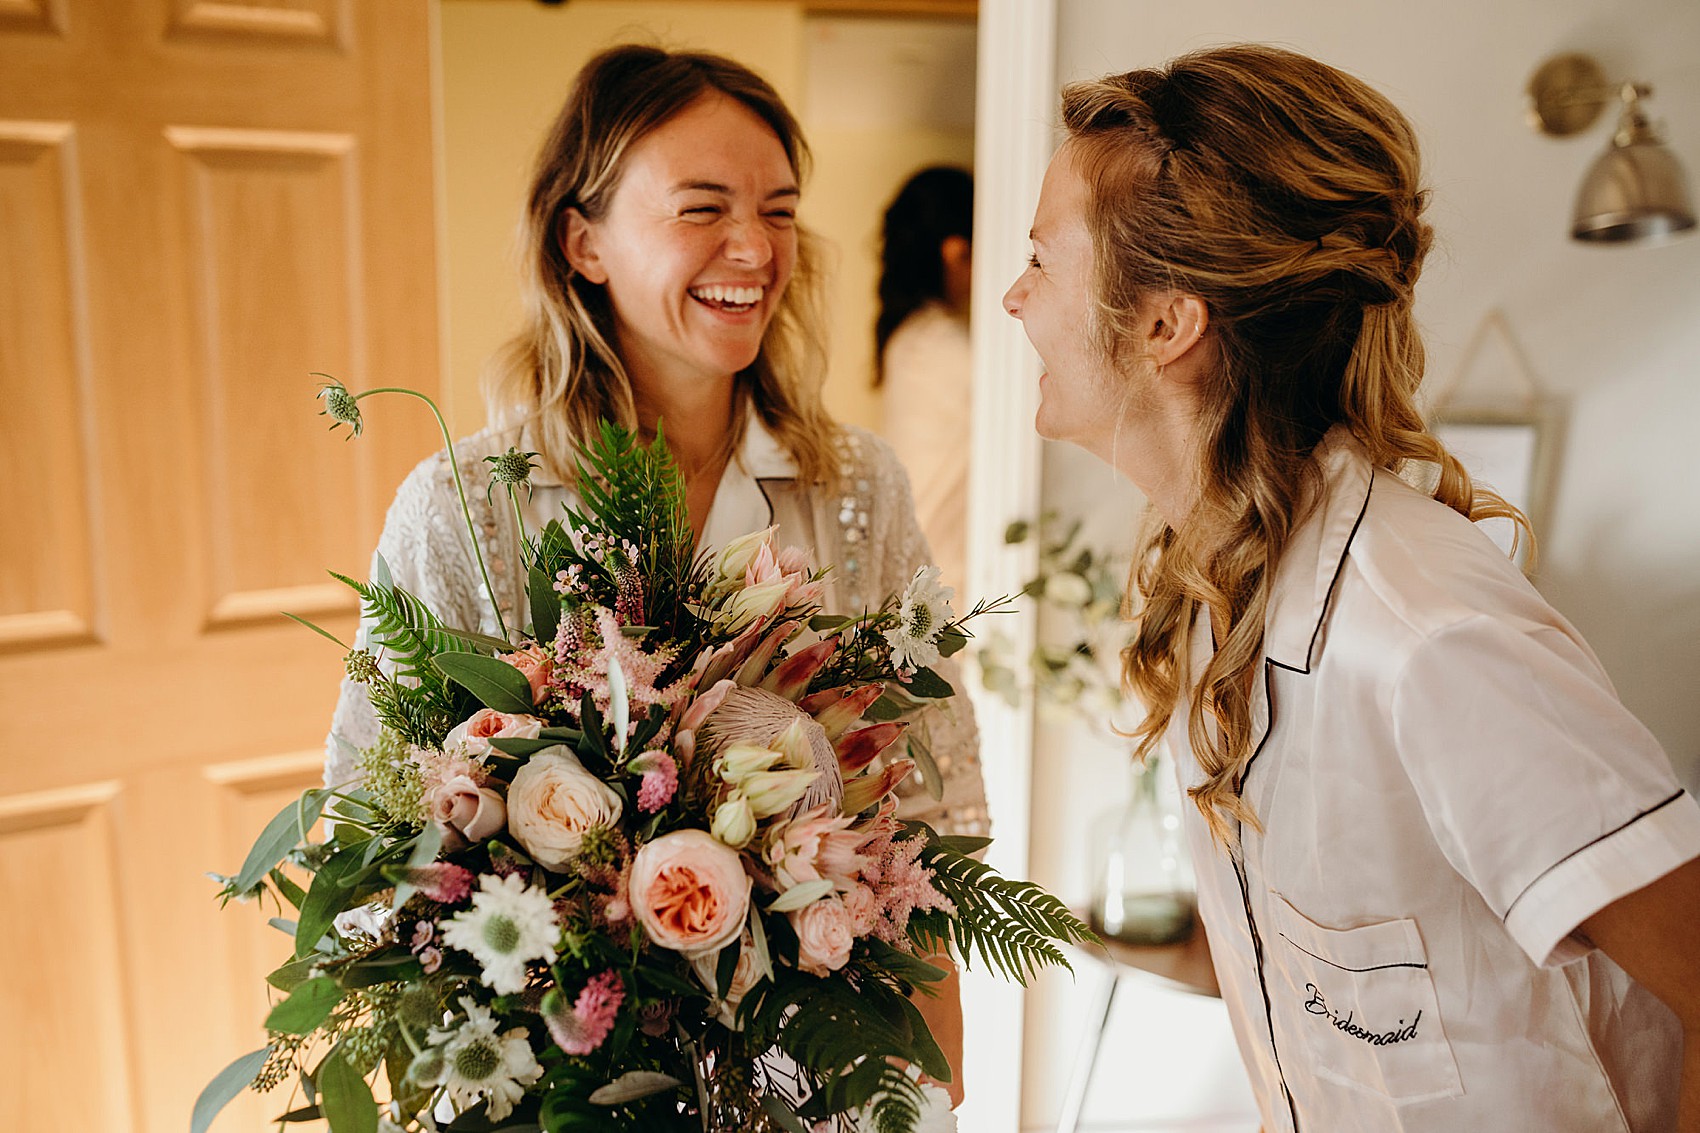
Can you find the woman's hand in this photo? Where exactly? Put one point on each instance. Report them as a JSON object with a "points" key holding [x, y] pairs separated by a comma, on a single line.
{"points": [[1654, 935]]}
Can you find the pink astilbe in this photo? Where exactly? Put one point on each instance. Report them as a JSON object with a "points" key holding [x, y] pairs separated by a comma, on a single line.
{"points": [[901, 886], [439, 767], [443, 882], [660, 780], [581, 665], [581, 1029]]}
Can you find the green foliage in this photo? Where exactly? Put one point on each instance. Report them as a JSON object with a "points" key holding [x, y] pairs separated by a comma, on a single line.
{"points": [[307, 1007], [419, 703], [232, 1080], [633, 494], [1012, 925], [345, 1097], [842, 1035], [494, 682]]}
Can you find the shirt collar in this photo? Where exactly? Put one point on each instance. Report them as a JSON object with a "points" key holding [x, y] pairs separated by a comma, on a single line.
{"points": [[1315, 556]]}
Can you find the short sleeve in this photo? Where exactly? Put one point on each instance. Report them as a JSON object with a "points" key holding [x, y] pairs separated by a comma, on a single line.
{"points": [[1542, 790]]}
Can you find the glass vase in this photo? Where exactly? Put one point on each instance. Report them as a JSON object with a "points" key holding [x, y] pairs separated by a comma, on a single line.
{"points": [[1145, 892]]}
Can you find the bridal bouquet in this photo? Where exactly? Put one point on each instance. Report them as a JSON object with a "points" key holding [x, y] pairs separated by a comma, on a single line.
{"points": [[633, 866]]}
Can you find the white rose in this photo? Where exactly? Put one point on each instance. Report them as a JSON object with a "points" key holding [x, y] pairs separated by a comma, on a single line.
{"points": [[552, 802]]}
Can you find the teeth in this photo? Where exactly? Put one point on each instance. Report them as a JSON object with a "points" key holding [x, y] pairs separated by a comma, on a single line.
{"points": [[736, 296]]}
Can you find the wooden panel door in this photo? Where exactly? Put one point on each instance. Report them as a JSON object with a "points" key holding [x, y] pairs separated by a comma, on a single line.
{"points": [[200, 203]]}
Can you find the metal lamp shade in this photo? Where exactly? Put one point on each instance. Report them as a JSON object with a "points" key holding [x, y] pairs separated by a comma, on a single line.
{"points": [[1633, 191]]}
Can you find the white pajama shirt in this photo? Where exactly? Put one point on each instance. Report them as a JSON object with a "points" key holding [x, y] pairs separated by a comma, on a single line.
{"points": [[1448, 787]]}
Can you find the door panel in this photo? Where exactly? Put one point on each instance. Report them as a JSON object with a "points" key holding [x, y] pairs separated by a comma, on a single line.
{"points": [[200, 204]]}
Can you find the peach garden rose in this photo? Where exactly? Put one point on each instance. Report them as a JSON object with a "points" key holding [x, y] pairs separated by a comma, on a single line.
{"points": [[689, 891]]}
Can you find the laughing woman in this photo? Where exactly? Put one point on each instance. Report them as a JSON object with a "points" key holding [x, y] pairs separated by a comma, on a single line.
{"points": [[668, 285], [1448, 881]]}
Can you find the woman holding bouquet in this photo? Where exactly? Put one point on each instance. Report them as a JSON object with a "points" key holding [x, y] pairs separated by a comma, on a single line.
{"points": [[668, 287], [1448, 881]]}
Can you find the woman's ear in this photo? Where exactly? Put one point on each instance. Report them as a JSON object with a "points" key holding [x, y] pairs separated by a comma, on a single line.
{"points": [[1175, 324], [578, 244]]}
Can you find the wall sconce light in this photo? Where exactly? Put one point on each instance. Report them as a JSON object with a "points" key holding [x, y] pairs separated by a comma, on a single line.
{"points": [[1636, 190]]}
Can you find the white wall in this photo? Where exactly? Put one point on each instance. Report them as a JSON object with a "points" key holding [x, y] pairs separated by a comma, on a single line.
{"points": [[1614, 332]]}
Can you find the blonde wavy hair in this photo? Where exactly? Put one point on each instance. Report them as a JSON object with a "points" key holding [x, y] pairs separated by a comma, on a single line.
{"points": [[1285, 194], [561, 373]]}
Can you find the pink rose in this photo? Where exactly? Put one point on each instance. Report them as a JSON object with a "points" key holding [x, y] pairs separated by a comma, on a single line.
{"points": [[862, 907], [823, 935], [690, 891], [461, 807], [486, 724], [537, 666]]}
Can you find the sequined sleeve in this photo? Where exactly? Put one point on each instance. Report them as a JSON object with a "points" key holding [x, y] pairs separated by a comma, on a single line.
{"points": [[424, 545], [883, 548]]}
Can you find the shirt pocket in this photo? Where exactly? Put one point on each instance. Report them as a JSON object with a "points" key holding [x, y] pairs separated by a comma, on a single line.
{"points": [[1363, 1003]]}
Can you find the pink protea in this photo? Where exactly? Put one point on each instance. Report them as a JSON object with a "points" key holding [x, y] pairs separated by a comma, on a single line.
{"points": [[581, 1028], [660, 780]]}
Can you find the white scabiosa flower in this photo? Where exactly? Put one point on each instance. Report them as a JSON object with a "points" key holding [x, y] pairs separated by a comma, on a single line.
{"points": [[478, 1063], [509, 925], [922, 615]]}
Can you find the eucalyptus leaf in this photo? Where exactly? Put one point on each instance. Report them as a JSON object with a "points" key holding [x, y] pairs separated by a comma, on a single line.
{"points": [[726, 967], [496, 684], [326, 897], [952, 641], [232, 1080], [286, 887], [545, 604], [822, 622], [964, 844], [283, 833], [345, 1097], [928, 685], [381, 571], [309, 1005], [283, 925], [782, 1114], [632, 1085], [290, 976], [923, 756]]}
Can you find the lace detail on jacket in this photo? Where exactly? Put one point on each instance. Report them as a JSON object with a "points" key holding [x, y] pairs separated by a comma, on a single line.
{"points": [[865, 523]]}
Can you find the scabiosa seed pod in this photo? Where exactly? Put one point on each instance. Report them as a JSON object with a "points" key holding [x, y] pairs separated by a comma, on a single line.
{"points": [[361, 666], [512, 467], [342, 407]]}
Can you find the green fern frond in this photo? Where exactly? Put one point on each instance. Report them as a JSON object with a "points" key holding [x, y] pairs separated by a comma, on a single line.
{"points": [[1014, 926], [407, 629]]}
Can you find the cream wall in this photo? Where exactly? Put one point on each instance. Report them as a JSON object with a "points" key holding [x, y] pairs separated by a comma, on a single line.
{"points": [[1613, 332], [506, 66]]}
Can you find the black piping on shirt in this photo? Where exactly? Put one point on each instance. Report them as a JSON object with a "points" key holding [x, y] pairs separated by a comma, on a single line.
{"points": [[1655, 808]]}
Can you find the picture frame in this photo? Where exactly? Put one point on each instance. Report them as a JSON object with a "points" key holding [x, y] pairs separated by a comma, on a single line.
{"points": [[1514, 451]]}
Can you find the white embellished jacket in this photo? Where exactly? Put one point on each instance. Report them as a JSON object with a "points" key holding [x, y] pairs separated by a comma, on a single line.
{"points": [[863, 524]]}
